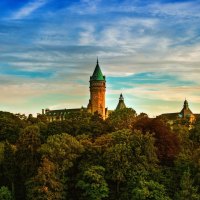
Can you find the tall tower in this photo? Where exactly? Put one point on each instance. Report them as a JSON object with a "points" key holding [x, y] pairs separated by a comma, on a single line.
{"points": [[97, 92]]}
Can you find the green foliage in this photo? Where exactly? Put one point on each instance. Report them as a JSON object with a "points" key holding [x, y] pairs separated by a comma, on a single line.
{"points": [[5, 194], [195, 133], [149, 190], [187, 190], [27, 151], [79, 123], [124, 157], [9, 127], [9, 165], [131, 154], [1, 152], [93, 184], [62, 150], [122, 119]]}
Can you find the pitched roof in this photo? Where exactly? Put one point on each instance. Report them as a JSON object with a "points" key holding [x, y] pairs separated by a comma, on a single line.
{"points": [[97, 74], [186, 110], [63, 112], [121, 103]]}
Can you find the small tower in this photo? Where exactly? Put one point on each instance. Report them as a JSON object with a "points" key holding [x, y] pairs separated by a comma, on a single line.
{"points": [[186, 106], [97, 92], [186, 113], [121, 103]]}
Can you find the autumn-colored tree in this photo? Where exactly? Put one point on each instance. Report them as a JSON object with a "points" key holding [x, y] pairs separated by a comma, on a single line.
{"points": [[46, 185], [62, 150], [27, 151], [166, 141]]}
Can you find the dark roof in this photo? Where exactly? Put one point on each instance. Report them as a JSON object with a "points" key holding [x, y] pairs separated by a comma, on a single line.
{"points": [[174, 116], [170, 116], [186, 112], [97, 74], [63, 112]]}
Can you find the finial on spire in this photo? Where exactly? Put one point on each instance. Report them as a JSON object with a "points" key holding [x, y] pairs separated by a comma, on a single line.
{"points": [[186, 106], [97, 60], [121, 97]]}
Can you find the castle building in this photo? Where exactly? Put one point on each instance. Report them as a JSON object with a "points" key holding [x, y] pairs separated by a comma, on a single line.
{"points": [[96, 102], [98, 98], [185, 113]]}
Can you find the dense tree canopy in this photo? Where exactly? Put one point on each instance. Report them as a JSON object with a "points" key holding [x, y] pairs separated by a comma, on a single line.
{"points": [[84, 157]]}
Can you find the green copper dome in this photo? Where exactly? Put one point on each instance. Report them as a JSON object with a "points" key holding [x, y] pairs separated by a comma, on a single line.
{"points": [[97, 75]]}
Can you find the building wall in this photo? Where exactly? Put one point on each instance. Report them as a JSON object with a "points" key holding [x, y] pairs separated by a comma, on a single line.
{"points": [[97, 97]]}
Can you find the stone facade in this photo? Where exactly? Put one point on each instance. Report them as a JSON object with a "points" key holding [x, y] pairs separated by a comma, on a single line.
{"points": [[185, 113], [96, 102], [97, 93]]}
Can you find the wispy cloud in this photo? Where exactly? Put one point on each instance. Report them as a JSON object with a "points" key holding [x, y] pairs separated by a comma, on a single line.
{"points": [[85, 7], [28, 9], [180, 9]]}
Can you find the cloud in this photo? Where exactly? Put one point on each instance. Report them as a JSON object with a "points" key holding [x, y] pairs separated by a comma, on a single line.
{"points": [[85, 7], [28, 9], [176, 9]]}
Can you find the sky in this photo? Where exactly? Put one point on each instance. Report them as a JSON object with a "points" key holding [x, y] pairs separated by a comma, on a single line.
{"points": [[149, 50]]}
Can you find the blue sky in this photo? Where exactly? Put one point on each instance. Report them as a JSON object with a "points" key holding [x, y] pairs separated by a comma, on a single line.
{"points": [[148, 50]]}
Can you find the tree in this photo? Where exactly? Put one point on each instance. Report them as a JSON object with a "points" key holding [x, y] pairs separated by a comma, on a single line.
{"points": [[5, 194], [187, 190], [93, 184], [46, 185], [166, 141], [62, 150], [195, 133], [9, 127], [131, 155], [32, 120], [149, 190], [27, 151], [9, 165], [122, 119]]}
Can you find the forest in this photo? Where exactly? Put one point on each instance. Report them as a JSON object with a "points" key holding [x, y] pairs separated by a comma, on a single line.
{"points": [[125, 157]]}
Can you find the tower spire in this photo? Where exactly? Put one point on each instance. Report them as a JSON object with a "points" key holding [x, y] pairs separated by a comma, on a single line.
{"points": [[97, 74], [185, 106], [121, 104]]}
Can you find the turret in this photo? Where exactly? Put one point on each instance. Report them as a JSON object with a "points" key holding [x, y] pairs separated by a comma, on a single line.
{"points": [[121, 103], [186, 106]]}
